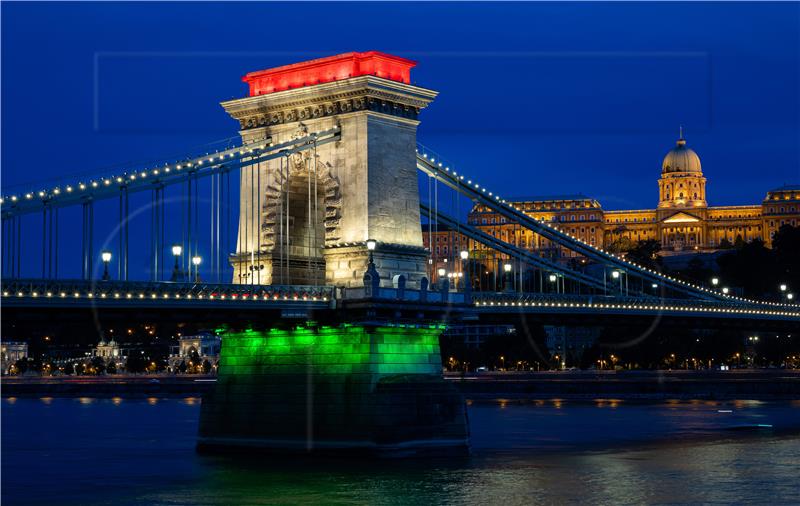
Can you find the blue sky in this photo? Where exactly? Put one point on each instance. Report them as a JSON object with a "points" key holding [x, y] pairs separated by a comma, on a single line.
{"points": [[535, 98]]}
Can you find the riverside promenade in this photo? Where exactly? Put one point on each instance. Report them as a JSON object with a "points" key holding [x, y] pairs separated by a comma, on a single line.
{"points": [[764, 384]]}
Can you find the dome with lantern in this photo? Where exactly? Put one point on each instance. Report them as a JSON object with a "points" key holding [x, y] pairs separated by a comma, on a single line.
{"points": [[681, 159]]}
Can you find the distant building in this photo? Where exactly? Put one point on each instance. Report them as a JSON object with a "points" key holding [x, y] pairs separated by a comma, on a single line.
{"points": [[474, 336], [204, 346], [10, 352], [568, 344], [108, 351], [681, 222]]}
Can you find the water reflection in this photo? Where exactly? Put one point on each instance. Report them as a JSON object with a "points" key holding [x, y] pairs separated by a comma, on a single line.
{"points": [[524, 452]]}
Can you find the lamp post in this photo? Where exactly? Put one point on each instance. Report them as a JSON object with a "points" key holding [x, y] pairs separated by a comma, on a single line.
{"points": [[444, 283], [177, 275], [617, 274], [464, 254], [553, 278], [725, 290], [508, 284], [714, 281], [106, 257], [372, 279], [196, 261]]}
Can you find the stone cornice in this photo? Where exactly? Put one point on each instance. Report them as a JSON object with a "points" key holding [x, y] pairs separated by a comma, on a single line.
{"points": [[366, 93]]}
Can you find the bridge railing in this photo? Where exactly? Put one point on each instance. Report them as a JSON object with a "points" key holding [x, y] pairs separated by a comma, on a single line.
{"points": [[409, 295], [81, 289], [502, 299]]}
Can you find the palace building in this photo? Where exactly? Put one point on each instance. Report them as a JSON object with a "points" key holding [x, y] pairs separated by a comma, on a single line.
{"points": [[682, 221]]}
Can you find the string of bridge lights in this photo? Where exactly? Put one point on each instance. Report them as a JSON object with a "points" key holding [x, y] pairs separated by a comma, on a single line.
{"points": [[431, 160], [127, 178], [636, 307], [267, 297]]}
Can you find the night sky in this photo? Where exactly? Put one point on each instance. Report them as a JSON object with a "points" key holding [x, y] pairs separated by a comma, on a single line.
{"points": [[535, 99]]}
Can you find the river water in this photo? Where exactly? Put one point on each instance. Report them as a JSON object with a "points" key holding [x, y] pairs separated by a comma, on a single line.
{"points": [[117, 451]]}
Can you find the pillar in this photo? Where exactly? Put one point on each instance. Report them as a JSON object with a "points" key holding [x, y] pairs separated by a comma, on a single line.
{"points": [[366, 182], [345, 389]]}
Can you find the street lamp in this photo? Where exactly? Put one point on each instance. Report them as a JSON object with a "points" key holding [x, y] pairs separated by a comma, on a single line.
{"points": [[464, 254], [553, 278], [508, 283], [177, 249], [725, 290], [106, 257], [615, 274], [783, 287], [196, 260], [444, 283], [790, 296], [714, 281]]}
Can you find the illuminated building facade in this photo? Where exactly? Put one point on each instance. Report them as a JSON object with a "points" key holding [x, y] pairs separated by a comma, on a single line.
{"points": [[682, 221], [10, 352]]}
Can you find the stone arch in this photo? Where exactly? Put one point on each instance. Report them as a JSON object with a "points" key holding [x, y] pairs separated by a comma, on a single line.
{"points": [[329, 197]]}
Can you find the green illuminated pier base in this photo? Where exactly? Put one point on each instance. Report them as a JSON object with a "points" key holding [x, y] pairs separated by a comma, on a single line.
{"points": [[348, 389]]}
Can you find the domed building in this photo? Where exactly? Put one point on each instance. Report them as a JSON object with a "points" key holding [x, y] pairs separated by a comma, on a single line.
{"points": [[682, 183], [682, 220]]}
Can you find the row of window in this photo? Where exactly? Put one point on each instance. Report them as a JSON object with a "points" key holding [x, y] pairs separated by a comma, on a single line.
{"points": [[782, 209], [634, 220]]}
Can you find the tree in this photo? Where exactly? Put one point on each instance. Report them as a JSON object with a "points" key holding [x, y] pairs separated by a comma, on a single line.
{"points": [[136, 363], [98, 365], [111, 368], [620, 245], [786, 246], [751, 267], [645, 253], [182, 367], [21, 365], [206, 366]]}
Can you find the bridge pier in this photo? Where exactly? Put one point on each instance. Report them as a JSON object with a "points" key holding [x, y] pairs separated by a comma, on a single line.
{"points": [[346, 265], [350, 389]]}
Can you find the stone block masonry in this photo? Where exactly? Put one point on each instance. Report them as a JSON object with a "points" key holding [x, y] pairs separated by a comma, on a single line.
{"points": [[353, 388], [362, 187]]}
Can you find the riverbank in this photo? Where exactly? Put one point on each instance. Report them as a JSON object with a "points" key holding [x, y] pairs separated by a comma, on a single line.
{"points": [[758, 384]]}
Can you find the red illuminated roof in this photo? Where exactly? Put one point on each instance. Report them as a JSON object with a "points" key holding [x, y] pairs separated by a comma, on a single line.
{"points": [[326, 70]]}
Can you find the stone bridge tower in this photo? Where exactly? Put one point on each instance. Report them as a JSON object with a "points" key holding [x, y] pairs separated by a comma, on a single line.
{"points": [[305, 218]]}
